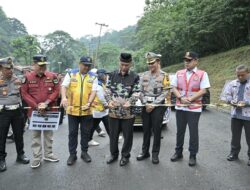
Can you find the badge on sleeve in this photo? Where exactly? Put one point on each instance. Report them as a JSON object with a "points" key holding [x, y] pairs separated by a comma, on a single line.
{"points": [[55, 81]]}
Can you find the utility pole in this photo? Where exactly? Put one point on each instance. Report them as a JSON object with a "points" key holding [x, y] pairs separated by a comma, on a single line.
{"points": [[59, 65], [99, 41]]}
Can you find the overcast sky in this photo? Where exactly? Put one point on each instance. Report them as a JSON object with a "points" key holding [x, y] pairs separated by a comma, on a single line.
{"points": [[77, 17]]}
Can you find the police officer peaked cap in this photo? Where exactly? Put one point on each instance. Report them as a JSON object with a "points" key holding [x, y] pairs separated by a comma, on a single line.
{"points": [[152, 57], [6, 62], [126, 57], [191, 55], [40, 59], [86, 60]]}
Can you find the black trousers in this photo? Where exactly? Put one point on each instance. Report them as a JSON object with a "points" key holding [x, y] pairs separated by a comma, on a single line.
{"points": [[184, 118], [116, 125], [25, 112], [96, 122], [16, 120], [85, 123], [152, 121], [61, 110], [236, 127]]}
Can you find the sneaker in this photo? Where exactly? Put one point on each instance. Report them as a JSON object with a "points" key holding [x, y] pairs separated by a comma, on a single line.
{"points": [[51, 158], [35, 164], [102, 134], [120, 139], [93, 143]]}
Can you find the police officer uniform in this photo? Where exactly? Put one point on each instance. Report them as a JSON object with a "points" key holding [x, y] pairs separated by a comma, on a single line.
{"points": [[122, 88], [79, 87], [10, 113], [154, 90], [36, 89]]}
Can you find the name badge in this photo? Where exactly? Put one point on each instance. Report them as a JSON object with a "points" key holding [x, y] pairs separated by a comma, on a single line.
{"points": [[196, 78], [33, 82]]}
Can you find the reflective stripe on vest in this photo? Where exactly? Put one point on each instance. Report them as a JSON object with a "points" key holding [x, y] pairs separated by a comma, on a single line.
{"points": [[78, 93], [189, 88]]}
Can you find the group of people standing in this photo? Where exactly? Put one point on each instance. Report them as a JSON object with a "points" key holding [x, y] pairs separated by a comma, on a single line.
{"points": [[90, 98]]}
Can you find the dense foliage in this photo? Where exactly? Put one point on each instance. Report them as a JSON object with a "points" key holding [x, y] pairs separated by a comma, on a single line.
{"points": [[168, 27]]}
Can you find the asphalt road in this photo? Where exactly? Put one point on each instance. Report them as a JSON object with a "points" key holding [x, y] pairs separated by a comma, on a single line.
{"points": [[213, 171]]}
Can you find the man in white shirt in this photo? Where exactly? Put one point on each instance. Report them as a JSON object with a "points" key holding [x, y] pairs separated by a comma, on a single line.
{"points": [[189, 85]]}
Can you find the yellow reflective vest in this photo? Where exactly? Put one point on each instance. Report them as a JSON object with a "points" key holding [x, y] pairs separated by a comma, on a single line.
{"points": [[78, 93]]}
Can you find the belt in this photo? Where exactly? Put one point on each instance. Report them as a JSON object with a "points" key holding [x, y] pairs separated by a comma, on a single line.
{"points": [[10, 107]]}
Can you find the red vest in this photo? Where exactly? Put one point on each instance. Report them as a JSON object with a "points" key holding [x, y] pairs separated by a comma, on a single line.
{"points": [[189, 88]]}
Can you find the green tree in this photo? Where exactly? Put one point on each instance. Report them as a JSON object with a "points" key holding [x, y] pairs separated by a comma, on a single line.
{"points": [[172, 27], [25, 47], [60, 47], [108, 56], [10, 28]]}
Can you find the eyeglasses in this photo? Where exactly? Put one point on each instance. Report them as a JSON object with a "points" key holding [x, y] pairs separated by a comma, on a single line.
{"points": [[187, 60]]}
